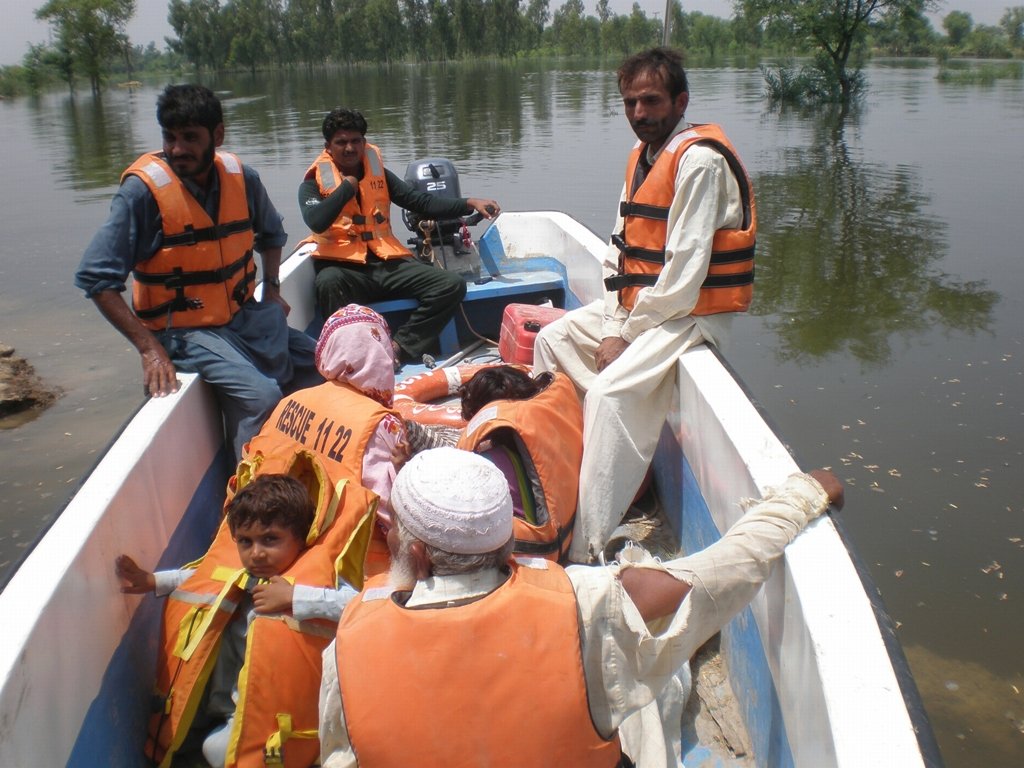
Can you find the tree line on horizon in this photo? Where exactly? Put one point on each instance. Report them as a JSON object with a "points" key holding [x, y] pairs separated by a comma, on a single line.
{"points": [[91, 42]]}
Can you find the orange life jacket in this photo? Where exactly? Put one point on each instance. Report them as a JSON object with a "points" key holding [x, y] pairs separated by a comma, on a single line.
{"points": [[547, 432], [332, 419], [335, 421], [276, 716], [456, 686], [729, 284], [365, 221], [204, 270]]}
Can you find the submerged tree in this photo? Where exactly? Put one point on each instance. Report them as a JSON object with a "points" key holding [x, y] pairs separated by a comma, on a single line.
{"points": [[90, 32], [834, 27]]}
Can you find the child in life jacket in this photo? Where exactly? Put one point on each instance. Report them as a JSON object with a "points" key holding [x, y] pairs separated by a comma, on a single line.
{"points": [[269, 520]]}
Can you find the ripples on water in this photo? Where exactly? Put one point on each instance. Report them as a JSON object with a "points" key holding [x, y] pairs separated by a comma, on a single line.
{"points": [[885, 339]]}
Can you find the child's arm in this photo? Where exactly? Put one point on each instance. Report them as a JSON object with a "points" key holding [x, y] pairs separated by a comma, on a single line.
{"points": [[273, 596], [301, 601], [140, 581]]}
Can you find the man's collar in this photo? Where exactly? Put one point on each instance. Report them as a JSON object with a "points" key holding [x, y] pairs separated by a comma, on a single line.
{"points": [[442, 590], [681, 126]]}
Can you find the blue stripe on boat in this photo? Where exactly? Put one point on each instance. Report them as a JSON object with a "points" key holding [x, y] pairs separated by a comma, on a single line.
{"points": [[749, 675]]}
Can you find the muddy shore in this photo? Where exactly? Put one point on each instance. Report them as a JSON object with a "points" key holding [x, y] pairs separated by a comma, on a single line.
{"points": [[22, 392]]}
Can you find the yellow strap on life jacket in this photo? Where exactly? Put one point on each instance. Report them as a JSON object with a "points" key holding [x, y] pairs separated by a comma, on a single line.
{"points": [[321, 525], [233, 577], [273, 752]]}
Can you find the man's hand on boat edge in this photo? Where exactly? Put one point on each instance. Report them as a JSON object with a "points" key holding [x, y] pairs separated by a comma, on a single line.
{"points": [[832, 486]]}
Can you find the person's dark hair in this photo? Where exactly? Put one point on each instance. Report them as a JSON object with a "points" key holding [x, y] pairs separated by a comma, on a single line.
{"points": [[273, 500], [342, 119], [665, 63], [502, 382], [182, 105]]}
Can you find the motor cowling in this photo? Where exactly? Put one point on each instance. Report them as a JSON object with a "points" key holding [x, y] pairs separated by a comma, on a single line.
{"points": [[435, 176], [445, 242]]}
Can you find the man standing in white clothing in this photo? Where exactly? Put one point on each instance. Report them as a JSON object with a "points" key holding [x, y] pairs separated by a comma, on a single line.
{"points": [[680, 261]]}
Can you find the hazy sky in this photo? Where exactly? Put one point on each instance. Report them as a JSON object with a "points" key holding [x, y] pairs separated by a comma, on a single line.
{"points": [[150, 22]]}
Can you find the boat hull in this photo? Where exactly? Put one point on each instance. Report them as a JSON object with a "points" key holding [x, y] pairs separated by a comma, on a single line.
{"points": [[818, 677]]}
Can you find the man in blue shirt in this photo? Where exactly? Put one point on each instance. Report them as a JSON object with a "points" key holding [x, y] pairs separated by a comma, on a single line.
{"points": [[185, 222]]}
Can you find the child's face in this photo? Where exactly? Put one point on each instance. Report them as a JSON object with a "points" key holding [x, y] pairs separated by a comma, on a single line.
{"points": [[267, 550]]}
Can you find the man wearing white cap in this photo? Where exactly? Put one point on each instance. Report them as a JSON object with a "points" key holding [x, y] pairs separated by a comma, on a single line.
{"points": [[469, 658]]}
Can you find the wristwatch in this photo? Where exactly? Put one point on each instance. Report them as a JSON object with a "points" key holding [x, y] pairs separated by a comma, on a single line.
{"points": [[273, 282]]}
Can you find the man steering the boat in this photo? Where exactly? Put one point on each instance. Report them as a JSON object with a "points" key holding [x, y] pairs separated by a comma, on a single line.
{"points": [[482, 659], [184, 223], [345, 199], [679, 263]]}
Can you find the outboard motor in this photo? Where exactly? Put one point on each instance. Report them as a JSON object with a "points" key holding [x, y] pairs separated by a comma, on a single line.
{"points": [[446, 243]]}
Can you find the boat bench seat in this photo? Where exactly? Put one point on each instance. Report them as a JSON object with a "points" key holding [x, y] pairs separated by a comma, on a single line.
{"points": [[511, 285]]}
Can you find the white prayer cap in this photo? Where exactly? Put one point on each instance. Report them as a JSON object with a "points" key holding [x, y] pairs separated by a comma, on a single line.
{"points": [[454, 500]]}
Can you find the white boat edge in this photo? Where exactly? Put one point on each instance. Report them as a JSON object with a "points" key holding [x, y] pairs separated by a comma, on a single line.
{"points": [[834, 672]]}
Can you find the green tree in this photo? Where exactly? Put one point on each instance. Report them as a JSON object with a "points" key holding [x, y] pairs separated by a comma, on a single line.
{"points": [[199, 27], [470, 27], [351, 33], [417, 22], [642, 32], [958, 25], [308, 29], [386, 32], [256, 37], [442, 30], [569, 27], [709, 33], [537, 15], [988, 43], [904, 32], [1012, 23], [91, 32], [834, 27]]}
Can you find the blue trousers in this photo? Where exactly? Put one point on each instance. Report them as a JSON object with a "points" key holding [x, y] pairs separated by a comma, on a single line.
{"points": [[250, 362]]}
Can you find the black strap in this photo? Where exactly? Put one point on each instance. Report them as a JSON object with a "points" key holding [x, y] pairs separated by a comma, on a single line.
{"points": [[618, 282], [642, 211], [192, 236], [632, 252], [179, 278], [546, 547], [731, 257], [728, 281]]}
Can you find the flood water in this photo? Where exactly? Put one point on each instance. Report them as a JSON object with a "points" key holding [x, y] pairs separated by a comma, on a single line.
{"points": [[885, 340]]}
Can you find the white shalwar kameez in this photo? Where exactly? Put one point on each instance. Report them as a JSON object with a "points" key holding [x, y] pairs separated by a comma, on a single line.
{"points": [[625, 405], [632, 668]]}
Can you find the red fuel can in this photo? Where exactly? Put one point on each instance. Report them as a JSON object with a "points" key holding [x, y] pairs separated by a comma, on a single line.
{"points": [[519, 327]]}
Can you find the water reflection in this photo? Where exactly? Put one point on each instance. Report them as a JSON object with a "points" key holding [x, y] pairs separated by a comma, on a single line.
{"points": [[848, 254], [94, 135]]}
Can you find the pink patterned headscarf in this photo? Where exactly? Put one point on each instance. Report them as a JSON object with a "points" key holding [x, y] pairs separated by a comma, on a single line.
{"points": [[355, 348]]}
